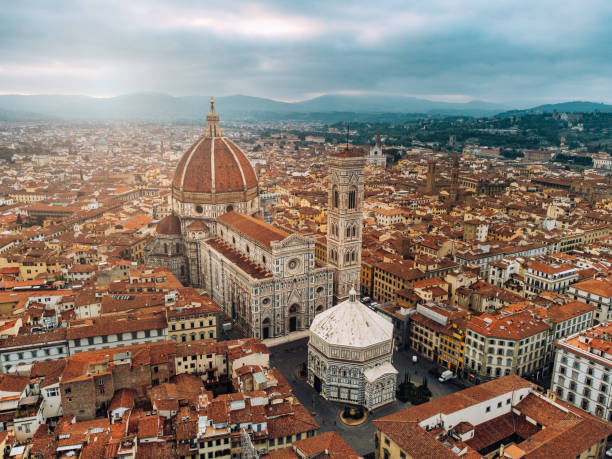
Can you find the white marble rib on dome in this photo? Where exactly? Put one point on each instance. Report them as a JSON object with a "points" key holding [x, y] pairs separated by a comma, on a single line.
{"points": [[351, 323]]}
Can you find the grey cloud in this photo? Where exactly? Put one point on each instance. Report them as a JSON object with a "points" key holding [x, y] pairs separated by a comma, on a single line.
{"points": [[501, 51]]}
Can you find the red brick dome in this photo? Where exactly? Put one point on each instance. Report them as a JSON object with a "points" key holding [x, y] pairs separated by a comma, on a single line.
{"points": [[170, 226], [214, 170]]}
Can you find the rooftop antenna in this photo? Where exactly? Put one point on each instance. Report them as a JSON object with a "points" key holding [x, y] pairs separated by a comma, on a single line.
{"points": [[348, 130]]}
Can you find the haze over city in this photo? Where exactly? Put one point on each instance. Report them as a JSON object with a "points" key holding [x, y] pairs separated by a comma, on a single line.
{"points": [[518, 53], [288, 230]]}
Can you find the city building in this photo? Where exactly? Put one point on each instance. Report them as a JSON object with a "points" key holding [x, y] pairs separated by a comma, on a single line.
{"points": [[506, 418], [376, 155], [350, 355], [515, 343], [583, 370], [438, 333], [345, 221], [263, 277], [597, 292], [545, 277]]}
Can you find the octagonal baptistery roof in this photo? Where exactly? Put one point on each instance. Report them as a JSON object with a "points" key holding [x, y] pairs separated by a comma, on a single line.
{"points": [[214, 170], [351, 323]]}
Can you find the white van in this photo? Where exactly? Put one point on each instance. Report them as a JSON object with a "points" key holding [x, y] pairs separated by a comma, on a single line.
{"points": [[446, 375]]}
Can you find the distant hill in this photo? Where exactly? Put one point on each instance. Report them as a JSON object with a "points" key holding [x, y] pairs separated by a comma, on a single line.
{"points": [[163, 107], [329, 108], [562, 107]]}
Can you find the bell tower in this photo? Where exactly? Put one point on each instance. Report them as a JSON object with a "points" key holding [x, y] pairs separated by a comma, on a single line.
{"points": [[430, 185], [345, 221], [454, 185]]}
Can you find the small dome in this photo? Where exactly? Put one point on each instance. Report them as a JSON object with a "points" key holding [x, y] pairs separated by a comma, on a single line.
{"points": [[197, 225], [351, 323], [170, 226]]}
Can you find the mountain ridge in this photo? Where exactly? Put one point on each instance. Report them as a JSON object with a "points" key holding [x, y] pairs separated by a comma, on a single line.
{"points": [[161, 107]]}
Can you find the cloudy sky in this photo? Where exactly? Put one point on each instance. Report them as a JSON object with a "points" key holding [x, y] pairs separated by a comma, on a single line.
{"points": [[514, 52]]}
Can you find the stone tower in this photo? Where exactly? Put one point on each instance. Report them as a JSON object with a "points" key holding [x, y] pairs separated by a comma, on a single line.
{"points": [[430, 186], [345, 220], [376, 155], [454, 185]]}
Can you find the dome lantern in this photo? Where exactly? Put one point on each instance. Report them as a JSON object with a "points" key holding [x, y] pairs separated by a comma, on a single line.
{"points": [[213, 129]]}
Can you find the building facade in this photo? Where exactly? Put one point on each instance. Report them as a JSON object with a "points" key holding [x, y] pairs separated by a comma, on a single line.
{"points": [[376, 156], [345, 221], [264, 278], [544, 277], [350, 354], [583, 371], [506, 418], [596, 292], [512, 344]]}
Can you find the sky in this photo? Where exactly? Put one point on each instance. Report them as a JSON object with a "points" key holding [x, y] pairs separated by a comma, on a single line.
{"points": [[512, 52]]}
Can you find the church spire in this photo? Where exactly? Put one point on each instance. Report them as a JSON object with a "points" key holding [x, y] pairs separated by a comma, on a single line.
{"points": [[212, 122]]}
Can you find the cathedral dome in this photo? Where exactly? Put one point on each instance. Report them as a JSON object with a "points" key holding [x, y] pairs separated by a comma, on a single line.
{"points": [[169, 226], [353, 324], [214, 170]]}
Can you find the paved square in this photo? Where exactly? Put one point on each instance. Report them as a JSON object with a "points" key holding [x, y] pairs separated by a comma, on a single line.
{"points": [[288, 358]]}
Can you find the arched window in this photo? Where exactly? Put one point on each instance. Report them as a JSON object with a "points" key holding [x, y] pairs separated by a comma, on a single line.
{"points": [[165, 248], [182, 271], [335, 197], [178, 248], [348, 231], [352, 200], [346, 257], [352, 256], [354, 231]]}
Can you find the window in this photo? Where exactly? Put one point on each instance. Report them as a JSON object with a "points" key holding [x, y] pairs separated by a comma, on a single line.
{"points": [[352, 198], [67, 391], [488, 410]]}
